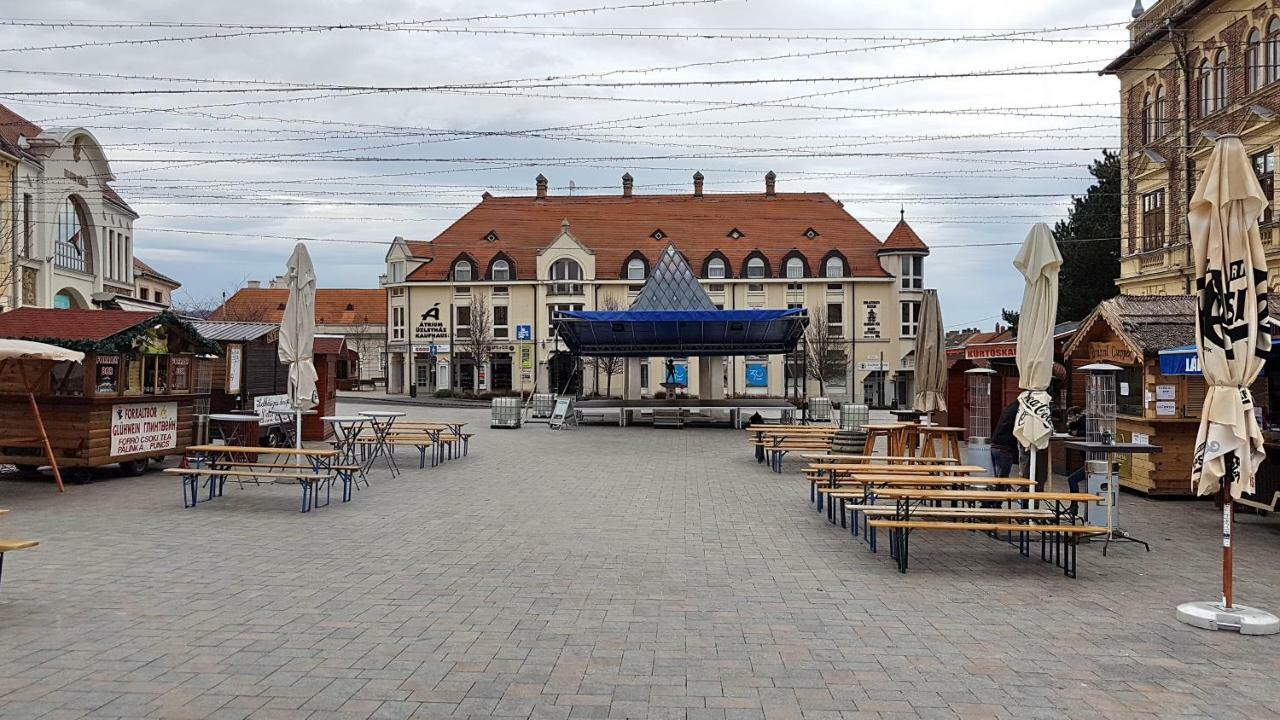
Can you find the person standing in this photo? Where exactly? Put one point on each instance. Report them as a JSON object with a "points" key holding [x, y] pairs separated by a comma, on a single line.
{"points": [[1004, 447]]}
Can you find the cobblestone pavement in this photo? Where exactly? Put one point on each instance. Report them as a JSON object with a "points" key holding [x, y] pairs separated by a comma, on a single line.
{"points": [[599, 573]]}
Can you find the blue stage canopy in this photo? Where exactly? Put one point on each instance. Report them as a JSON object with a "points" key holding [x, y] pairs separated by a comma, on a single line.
{"points": [[1183, 360], [654, 333]]}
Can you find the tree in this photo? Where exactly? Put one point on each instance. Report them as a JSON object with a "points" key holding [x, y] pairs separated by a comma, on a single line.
{"points": [[367, 340], [1090, 243], [609, 365], [825, 358], [478, 340], [1011, 318]]}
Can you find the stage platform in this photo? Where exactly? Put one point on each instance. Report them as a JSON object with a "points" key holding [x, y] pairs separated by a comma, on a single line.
{"points": [[677, 412]]}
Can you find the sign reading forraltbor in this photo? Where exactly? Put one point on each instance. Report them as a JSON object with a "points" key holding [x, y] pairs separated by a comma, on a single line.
{"points": [[143, 427]]}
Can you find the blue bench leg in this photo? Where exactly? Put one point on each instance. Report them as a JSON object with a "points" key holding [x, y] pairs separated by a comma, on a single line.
{"points": [[306, 496]]}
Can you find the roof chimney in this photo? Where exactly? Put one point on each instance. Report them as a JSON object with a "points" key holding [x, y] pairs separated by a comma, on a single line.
{"points": [[253, 284], [626, 184], [542, 186], [697, 184], [769, 181]]}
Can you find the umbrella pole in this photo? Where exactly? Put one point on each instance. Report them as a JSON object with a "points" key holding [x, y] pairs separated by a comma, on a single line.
{"points": [[44, 438], [1228, 521]]}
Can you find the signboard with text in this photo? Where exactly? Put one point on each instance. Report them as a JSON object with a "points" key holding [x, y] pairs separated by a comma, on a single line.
{"points": [[143, 427], [524, 333]]}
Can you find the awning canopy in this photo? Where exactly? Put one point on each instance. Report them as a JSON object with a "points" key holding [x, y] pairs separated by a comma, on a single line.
{"points": [[649, 333]]}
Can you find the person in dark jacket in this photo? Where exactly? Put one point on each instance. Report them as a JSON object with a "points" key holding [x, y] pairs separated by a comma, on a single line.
{"points": [[1004, 446]]}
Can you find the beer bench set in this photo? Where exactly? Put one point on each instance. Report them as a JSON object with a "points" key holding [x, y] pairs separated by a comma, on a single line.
{"points": [[312, 470], [941, 495], [773, 442]]}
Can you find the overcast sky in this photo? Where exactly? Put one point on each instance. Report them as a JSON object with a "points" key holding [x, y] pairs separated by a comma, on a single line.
{"points": [[364, 166]]}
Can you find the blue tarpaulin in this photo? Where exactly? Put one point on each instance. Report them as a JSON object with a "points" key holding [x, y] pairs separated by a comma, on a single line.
{"points": [[646, 333]]}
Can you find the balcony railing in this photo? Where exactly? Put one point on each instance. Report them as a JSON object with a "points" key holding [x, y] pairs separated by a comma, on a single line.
{"points": [[565, 288]]}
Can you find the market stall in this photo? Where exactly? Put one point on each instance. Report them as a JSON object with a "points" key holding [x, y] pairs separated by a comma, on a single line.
{"points": [[1152, 405], [249, 379], [132, 399]]}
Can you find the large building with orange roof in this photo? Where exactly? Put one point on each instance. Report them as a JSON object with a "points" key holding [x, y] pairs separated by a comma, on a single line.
{"points": [[526, 257]]}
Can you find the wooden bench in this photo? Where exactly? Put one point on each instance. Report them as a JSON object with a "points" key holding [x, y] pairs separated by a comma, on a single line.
{"points": [[7, 546], [891, 459], [1061, 548], [216, 478]]}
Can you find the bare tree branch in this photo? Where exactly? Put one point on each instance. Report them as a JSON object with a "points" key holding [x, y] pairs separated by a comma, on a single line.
{"points": [[612, 365], [826, 359]]}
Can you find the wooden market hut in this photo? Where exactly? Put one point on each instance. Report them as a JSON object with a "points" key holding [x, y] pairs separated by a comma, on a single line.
{"points": [[248, 377], [132, 399], [1130, 331]]}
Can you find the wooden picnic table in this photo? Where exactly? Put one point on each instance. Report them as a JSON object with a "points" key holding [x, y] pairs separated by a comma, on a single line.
{"points": [[947, 437], [892, 438], [841, 467], [218, 463], [866, 459], [1057, 541]]}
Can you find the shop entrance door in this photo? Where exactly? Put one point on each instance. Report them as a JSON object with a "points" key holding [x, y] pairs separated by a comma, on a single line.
{"points": [[500, 373]]}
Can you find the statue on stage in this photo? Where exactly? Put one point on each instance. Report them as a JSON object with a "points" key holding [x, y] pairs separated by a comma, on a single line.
{"points": [[671, 384]]}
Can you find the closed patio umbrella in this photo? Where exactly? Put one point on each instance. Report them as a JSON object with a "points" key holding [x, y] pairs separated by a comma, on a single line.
{"points": [[22, 365], [931, 358], [297, 335], [1233, 334], [1039, 261]]}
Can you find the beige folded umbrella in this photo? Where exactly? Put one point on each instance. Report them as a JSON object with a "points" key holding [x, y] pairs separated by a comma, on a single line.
{"points": [[931, 358], [1233, 333], [297, 335], [1039, 261]]}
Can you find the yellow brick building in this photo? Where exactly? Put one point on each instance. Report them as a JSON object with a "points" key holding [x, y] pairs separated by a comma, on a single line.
{"points": [[1194, 70]]}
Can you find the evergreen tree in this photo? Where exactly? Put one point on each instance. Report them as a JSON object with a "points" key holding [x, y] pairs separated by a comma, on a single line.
{"points": [[1090, 269]]}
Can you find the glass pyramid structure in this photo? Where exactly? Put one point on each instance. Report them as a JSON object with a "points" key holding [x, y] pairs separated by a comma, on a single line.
{"points": [[672, 286]]}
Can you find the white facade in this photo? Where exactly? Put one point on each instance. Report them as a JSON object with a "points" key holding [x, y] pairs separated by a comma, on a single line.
{"points": [[73, 237]]}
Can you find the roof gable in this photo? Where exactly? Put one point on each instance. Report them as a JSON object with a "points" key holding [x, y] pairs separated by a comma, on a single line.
{"points": [[903, 238], [334, 306]]}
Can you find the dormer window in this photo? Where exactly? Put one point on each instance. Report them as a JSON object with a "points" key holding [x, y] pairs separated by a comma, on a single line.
{"points": [[462, 271], [811, 233], [736, 234], [658, 235], [491, 237]]}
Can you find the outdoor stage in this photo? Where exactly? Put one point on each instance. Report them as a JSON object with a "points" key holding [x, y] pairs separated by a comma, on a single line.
{"points": [[683, 410]]}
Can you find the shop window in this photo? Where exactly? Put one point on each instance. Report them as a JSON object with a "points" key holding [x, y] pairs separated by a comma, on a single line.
{"points": [[1264, 166], [1153, 236], [181, 374]]}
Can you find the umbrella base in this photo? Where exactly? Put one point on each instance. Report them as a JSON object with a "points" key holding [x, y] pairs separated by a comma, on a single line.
{"points": [[1241, 618]]}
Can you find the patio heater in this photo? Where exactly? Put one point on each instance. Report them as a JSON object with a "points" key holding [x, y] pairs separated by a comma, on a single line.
{"points": [[979, 420], [1100, 427]]}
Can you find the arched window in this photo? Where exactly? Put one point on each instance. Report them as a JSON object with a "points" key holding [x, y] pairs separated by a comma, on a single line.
{"points": [[756, 268], [1271, 52], [794, 268], [1253, 60], [67, 299], [462, 271], [1220, 89], [1204, 87], [1148, 119], [501, 270], [716, 268], [566, 270], [834, 267], [1161, 125], [72, 246], [635, 269]]}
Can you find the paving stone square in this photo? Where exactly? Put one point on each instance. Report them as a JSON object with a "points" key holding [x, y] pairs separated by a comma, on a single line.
{"points": [[600, 572]]}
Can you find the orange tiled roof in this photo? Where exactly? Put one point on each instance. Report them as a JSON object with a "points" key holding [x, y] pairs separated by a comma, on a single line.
{"points": [[12, 126], [140, 267], [615, 226], [903, 237], [334, 306]]}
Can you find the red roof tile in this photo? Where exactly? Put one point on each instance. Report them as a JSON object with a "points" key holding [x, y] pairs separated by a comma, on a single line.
{"points": [[140, 267], [903, 238], [334, 306], [37, 323], [13, 125], [615, 226], [328, 345]]}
